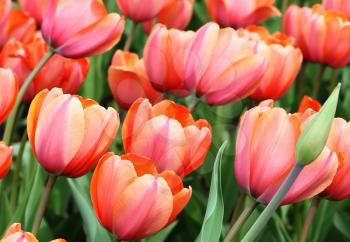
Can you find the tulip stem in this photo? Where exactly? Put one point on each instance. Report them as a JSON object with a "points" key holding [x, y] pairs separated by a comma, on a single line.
{"points": [[130, 36], [265, 216], [15, 178], [333, 80], [309, 218], [240, 222], [12, 117], [192, 106], [284, 5], [317, 82], [239, 205], [43, 202]]}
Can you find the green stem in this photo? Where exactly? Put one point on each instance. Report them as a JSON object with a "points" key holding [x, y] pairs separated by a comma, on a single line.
{"points": [[240, 222], [309, 218], [333, 80], [317, 82], [11, 119], [43, 202], [265, 216], [130, 36], [239, 205], [192, 106], [15, 178], [301, 82], [284, 5]]}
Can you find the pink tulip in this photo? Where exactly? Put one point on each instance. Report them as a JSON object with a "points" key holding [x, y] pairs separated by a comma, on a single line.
{"points": [[265, 154], [6, 153], [9, 86], [91, 32], [323, 36], [167, 134], [241, 13], [140, 10], [338, 5], [69, 134], [36, 8], [132, 200]]}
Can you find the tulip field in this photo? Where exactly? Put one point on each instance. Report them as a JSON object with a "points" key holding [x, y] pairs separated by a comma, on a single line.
{"points": [[174, 120]]}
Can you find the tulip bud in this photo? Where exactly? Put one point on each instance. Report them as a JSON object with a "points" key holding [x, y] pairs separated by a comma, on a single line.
{"points": [[315, 135]]}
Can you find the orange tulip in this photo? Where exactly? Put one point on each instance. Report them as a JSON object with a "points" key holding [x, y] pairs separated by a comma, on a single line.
{"points": [[167, 134], [132, 200], [241, 13], [265, 154], [36, 8], [15, 24], [177, 14], [141, 11], [338, 5], [68, 134], [60, 72], [128, 80], [284, 62], [323, 36], [339, 142], [9, 86], [306, 103], [6, 153], [15, 234], [91, 32]]}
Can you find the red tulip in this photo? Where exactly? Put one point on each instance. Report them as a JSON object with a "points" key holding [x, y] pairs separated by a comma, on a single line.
{"points": [[140, 10], [167, 134], [265, 154], [60, 72], [323, 36], [284, 62], [132, 200], [69, 134], [241, 13], [91, 32], [15, 24], [177, 14], [128, 80], [9, 86], [36, 8], [338, 5], [6, 153], [306, 103]]}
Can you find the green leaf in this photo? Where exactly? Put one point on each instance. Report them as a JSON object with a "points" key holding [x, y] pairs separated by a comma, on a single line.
{"points": [[162, 235], [212, 225], [95, 232], [341, 222]]}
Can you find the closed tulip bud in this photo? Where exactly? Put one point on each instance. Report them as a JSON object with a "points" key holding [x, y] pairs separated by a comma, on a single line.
{"points": [[132, 200], [6, 153], [8, 82], [241, 13], [322, 35], [128, 80], [15, 24], [91, 32], [68, 134], [177, 14], [338, 5], [65, 73], [314, 137], [283, 62], [141, 11], [167, 134], [15, 234], [266, 151], [36, 8]]}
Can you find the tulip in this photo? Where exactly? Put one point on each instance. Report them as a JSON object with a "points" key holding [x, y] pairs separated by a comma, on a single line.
{"points": [[306, 103], [241, 13], [141, 11], [6, 153], [165, 56], [128, 80], [283, 58], [36, 8], [339, 143], [68, 134], [177, 14], [91, 32], [266, 153], [338, 5], [167, 134], [132, 200], [15, 234], [9, 87], [60, 72], [323, 36], [15, 24]]}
